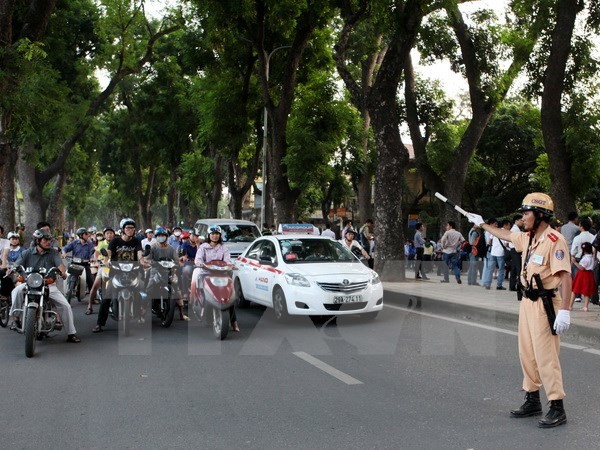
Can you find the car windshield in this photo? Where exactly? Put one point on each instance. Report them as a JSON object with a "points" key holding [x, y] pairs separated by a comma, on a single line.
{"points": [[239, 233], [314, 250]]}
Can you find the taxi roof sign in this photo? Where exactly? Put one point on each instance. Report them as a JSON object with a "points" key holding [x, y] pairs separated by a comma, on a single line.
{"points": [[297, 228]]}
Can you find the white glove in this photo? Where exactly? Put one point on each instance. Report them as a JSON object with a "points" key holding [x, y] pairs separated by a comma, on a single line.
{"points": [[475, 218], [562, 322]]}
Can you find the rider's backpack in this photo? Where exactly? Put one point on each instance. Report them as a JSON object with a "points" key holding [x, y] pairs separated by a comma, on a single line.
{"points": [[479, 247]]}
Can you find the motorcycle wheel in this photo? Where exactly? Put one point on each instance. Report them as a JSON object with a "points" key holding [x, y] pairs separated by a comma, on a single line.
{"points": [[70, 288], [168, 320], [81, 287], [30, 331], [240, 299], [220, 323], [4, 310], [125, 316]]}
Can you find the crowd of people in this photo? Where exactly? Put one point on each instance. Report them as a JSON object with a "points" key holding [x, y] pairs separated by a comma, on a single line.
{"points": [[490, 262]]}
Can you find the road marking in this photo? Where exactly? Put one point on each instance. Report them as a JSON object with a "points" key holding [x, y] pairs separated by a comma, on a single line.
{"points": [[488, 327], [327, 368]]}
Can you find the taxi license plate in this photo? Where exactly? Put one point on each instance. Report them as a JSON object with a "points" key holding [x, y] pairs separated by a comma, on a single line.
{"points": [[347, 298]]}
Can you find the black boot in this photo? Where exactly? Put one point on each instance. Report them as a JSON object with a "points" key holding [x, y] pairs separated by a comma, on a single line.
{"points": [[531, 407], [555, 417]]}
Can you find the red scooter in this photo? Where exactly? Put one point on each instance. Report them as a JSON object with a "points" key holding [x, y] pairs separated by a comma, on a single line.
{"points": [[216, 297]]}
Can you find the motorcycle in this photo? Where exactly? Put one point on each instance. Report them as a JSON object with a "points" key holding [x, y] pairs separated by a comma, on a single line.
{"points": [[216, 297], [126, 290], [161, 287], [38, 313], [5, 302], [76, 282]]}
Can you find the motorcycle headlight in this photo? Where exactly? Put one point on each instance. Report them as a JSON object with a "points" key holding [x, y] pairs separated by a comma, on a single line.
{"points": [[126, 267], [35, 281], [375, 278], [167, 264], [296, 279], [174, 278], [219, 281]]}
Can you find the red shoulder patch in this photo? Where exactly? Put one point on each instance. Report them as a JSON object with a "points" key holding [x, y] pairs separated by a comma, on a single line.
{"points": [[552, 237]]}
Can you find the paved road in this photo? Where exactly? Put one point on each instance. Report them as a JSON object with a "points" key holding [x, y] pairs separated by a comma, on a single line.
{"points": [[406, 380]]}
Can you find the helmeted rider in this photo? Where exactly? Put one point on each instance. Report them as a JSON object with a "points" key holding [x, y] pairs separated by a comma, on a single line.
{"points": [[162, 250], [107, 235], [545, 281], [84, 249], [211, 250], [43, 255], [9, 256], [125, 247], [353, 245]]}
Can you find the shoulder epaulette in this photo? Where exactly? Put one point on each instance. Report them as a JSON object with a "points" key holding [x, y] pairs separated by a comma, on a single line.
{"points": [[552, 237]]}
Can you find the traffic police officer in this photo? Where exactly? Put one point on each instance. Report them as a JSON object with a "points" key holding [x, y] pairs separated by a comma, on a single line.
{"points": [[545, 273]]}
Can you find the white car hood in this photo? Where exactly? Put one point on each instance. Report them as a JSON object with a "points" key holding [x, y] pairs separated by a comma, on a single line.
{"points": [[329, 270]]}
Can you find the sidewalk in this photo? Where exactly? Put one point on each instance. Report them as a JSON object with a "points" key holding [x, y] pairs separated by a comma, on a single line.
{"points": [[491, 307]]}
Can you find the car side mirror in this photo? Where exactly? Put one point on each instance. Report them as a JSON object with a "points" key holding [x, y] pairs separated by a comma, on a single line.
{"points": [[267, 260]]}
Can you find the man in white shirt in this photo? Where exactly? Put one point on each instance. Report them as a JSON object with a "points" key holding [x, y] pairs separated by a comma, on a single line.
{"points": [[150, 239], [515, 257], [584, 236], [327, 232]]}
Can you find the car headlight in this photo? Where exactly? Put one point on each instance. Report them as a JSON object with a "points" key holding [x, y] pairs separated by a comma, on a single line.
{"points": [[296, 279], [375, 278]]}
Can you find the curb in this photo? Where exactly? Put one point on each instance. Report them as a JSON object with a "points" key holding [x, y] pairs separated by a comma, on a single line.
{"points": [[579, 334]]}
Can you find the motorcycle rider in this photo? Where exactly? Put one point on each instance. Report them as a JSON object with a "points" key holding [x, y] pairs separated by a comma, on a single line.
{"points": [[9, 256], [108, 234], [125, 247], [82, 248], [213, 250], [162, 250], [43, 255], [354, 246]]}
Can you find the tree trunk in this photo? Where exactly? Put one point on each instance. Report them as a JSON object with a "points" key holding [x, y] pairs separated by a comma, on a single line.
{"points": [[561, 188], [32, 193], [212, 205], [364, 180], [285, 197], [172, 199], [56, 214], [7, 184]]}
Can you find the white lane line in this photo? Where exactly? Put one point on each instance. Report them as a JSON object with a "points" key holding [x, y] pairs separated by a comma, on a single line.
{"points": [[488, 327], [327, 368], [450, 319]]}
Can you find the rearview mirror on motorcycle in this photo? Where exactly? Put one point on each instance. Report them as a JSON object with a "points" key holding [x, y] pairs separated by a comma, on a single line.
{"points": [[147, 250], [104, 252]]}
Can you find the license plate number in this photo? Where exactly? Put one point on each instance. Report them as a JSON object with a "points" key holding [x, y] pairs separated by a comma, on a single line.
{"points": [[347, 298]]}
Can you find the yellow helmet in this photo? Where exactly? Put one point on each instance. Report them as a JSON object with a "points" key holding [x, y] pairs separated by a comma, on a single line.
{"points": [[538, 201]]}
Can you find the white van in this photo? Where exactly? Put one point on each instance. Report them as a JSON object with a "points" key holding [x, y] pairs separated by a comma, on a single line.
{"points": [[237, 234]]}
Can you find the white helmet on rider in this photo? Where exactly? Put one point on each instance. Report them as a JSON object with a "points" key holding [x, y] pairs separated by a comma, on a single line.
{"points": [[126, 221]]}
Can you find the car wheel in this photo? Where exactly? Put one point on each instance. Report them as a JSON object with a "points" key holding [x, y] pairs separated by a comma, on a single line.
{"points": [[241, 301], [279, 304]]}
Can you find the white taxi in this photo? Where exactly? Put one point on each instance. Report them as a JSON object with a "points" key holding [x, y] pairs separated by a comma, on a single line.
{"points": [[304, 274]]}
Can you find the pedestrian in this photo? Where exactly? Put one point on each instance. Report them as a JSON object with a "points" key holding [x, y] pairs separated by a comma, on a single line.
{"points": [[328, 232], [419, 241], [570, 229], [544, 309], [474, 258], [496, 260], [515, 256], [451, 241], [584, 283]]}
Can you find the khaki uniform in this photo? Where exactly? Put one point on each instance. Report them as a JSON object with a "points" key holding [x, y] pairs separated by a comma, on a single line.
{"points": [[538, 347]]}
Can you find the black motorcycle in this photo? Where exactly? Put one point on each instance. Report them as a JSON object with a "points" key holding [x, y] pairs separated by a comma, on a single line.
{"points": [[37, 314], [75, 280], [161, 288]]}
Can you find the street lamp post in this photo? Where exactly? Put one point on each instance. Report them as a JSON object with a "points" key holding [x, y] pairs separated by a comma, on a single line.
{"points": [[264, 149]]}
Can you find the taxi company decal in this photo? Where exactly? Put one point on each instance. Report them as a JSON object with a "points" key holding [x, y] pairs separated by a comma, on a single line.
{"points": [[256, 264], [262, 283]]}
